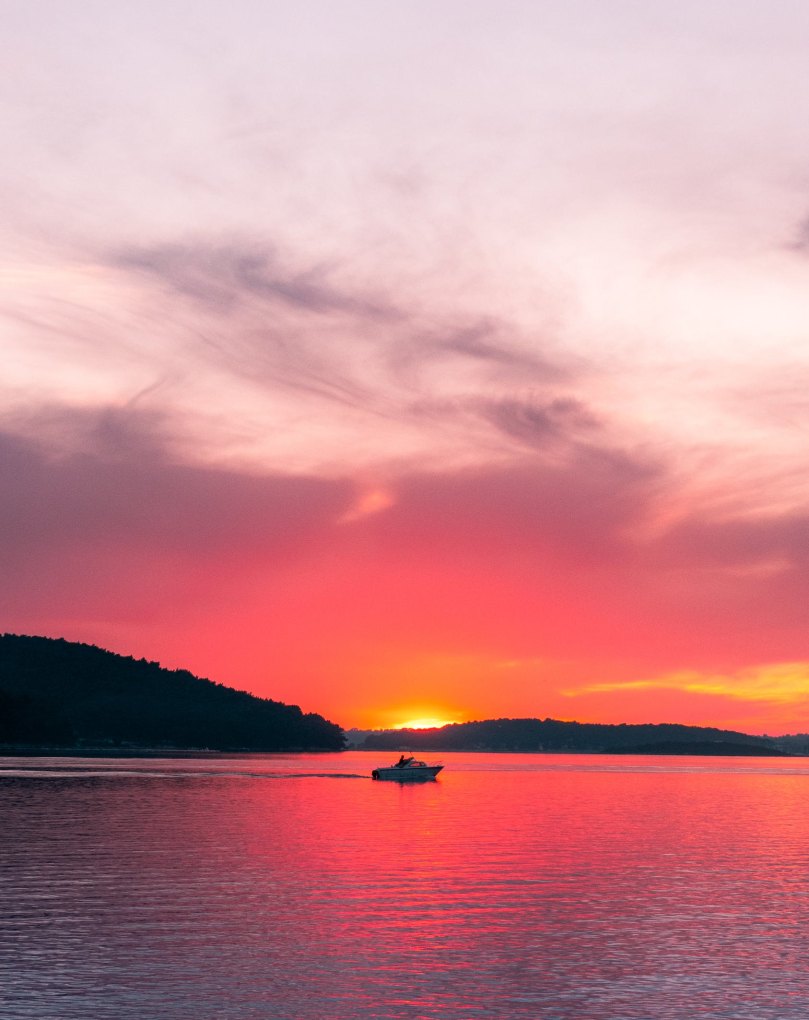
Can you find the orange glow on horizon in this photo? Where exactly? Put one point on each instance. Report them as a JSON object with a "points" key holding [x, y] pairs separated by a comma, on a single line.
{"points": [[423, 724]]}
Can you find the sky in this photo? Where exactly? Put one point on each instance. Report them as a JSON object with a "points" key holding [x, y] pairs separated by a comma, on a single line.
{"points": [[414, 360]]}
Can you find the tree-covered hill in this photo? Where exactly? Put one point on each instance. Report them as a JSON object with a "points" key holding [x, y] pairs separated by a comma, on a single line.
{"points": [[57, 692], [546, 735]]}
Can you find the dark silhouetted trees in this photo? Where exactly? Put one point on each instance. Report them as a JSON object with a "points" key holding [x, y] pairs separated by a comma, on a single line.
{"points": [[546, 735], [59, 692]]}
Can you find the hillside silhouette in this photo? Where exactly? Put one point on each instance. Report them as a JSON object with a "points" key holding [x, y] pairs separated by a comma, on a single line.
{"points": [[552, 735], [62, 693]]}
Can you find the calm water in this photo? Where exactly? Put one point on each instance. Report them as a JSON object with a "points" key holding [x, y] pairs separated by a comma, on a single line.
{"points": [[569, 887]]}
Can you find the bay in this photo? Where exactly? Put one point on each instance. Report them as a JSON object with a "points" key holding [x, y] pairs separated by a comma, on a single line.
{"points": [[560, 887]]}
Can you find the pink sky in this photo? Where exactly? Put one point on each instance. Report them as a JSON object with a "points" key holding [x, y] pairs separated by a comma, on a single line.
{"points": [[404, 360]]}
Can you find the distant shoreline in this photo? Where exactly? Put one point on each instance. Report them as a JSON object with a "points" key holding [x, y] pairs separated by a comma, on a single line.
{"points": [[17, 751], [9, 751]]}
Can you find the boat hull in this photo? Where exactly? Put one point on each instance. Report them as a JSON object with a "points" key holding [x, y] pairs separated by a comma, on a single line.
{"points": [[413, 774]]}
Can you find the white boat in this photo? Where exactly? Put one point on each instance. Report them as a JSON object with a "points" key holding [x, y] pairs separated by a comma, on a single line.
{"points": [[407, 770]]}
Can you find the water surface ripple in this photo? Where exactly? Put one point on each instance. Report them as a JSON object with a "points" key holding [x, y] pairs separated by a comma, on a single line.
{"points": [[528, 886]]}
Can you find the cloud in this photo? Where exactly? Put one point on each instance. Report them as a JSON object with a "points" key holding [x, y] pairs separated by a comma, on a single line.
{"points": [[113, 482], [239, 277], [786, 682], [587, 500], [494, 343], [538, 424], [223, 275], [800, 240], [261, 318], [105, 523], [763, 698], [107, 516], [267, 320], [765, 543]]}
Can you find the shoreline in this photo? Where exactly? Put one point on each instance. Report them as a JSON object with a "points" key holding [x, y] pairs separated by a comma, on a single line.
{"points": [[29, 751]]}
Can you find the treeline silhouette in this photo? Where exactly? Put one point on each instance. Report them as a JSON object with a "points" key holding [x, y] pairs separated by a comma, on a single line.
{"points": [[62, 693], [794, 743], [550, 735]]}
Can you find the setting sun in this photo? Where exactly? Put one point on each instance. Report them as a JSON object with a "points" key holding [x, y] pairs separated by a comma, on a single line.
{"points": [[422, 724]]}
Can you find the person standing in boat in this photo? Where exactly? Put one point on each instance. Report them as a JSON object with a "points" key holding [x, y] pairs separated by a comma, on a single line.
{"points": [[400, 764]]}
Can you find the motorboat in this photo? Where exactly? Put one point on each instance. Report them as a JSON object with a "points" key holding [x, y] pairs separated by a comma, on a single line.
{"points": [[407, 770]]}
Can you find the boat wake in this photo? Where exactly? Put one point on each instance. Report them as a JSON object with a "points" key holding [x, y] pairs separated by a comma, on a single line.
{"points": [[68, 772]]}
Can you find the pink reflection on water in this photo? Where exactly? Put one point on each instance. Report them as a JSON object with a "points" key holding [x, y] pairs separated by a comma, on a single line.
{"points": [[514, 886]]}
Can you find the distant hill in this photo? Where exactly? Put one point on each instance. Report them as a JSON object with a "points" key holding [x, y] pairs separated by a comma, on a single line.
{"points": [[61, 693], [794, 743], [549, 735], [356, 738]]}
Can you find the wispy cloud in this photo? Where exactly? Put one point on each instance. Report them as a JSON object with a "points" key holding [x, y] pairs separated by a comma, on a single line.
{"points": [[538, 423], [785, 683], [800, 241], [110, 481], [274, 322], [224, 275]]}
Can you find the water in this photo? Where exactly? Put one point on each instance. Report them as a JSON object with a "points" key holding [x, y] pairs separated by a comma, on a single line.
{"points": [[548, 887]]}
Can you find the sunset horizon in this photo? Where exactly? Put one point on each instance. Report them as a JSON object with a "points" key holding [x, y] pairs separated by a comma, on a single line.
{"points": [[393, 717], [414, 374]]}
